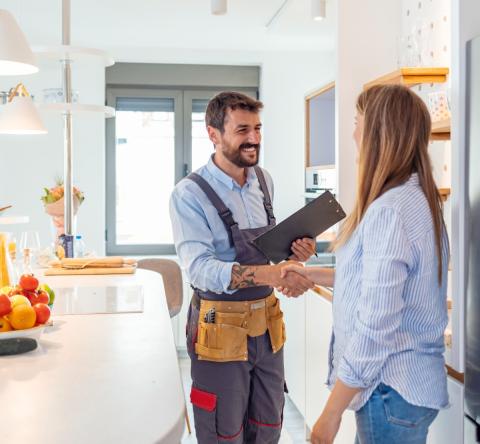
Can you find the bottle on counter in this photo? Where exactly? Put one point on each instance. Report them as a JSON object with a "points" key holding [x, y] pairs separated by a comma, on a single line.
{"points": [[79, 247]]}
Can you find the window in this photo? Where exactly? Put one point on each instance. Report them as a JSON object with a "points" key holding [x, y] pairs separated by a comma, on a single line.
{"points": [[157, 137]]}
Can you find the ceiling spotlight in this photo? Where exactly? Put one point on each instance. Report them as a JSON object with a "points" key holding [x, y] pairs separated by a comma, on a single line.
{"points": [[319, 9], [219, 7]]}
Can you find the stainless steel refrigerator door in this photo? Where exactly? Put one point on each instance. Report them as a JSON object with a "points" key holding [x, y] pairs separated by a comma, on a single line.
{"points": [[472, 315]]}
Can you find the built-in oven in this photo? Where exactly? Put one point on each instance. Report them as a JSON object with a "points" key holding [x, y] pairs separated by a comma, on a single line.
{"points": [[319, 179]]}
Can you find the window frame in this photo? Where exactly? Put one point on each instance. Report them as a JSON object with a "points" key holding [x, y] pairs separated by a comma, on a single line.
{"points": [[112, 248]]}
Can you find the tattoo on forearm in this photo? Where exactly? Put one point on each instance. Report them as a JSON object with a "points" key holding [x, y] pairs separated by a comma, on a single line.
{"points": [[243, 277]]}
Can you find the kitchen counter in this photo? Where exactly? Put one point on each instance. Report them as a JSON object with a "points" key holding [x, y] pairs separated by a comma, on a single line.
{"points": [[97, 378]]}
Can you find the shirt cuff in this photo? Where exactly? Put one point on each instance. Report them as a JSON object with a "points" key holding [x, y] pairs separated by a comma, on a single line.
{"points": [[352, 379], [225, 276]]}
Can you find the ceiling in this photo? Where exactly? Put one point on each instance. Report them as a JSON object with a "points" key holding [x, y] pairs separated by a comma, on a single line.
{"points": [[182, 24]]}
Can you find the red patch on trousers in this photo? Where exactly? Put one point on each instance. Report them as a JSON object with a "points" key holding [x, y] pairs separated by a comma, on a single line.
{"points": [[203, 400]]}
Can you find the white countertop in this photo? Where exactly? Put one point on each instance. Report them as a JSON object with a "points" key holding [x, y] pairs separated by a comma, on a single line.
{"points": [[104, 378]]}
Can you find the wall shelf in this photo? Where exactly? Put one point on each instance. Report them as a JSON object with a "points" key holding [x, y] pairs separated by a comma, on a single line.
{"points": [[324, 292], [444, 193], [73, 53], [441, 130], [12, 220], [411, 77], [74, 108]]}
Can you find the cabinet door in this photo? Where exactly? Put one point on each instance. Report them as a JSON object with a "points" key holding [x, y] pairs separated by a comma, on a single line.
{"points": [[448, 426], [294, 310], [318, 331], [470, 432]]}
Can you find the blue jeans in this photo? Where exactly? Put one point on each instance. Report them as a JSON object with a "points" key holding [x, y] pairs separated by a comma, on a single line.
{"points": [[387, 418]]}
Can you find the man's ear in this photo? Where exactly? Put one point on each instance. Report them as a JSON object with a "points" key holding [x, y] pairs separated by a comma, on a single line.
{"points": [[213, 134]]}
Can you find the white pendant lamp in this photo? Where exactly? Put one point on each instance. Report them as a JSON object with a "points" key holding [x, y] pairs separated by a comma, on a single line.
{"points": [[219, 7], [19, 115], [16, 57], [319, 9]]}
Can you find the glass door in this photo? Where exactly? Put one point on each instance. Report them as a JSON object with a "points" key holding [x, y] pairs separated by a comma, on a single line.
{"points": [[144, 162]]}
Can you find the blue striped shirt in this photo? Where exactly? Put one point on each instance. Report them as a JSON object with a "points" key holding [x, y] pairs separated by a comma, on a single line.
{"points": [[389, 310], [201, 240]]}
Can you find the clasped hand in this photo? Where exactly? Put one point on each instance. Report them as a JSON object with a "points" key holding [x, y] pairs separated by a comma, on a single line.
{"points": [[293, 280]]}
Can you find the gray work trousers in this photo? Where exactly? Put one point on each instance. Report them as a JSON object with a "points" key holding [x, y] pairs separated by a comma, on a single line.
{"points": [[237, 402]]}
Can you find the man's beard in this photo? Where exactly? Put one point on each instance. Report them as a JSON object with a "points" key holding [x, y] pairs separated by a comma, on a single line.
{"points": [[240, 158]]}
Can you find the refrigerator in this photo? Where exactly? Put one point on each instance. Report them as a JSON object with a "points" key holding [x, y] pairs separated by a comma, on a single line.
{"points": [[472, 314]]}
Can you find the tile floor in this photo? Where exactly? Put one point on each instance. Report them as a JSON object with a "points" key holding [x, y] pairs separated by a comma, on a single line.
{"points": [[293, 431]]}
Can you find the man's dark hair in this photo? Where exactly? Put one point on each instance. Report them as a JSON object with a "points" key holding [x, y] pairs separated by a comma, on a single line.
{"points": [[220, 104]]}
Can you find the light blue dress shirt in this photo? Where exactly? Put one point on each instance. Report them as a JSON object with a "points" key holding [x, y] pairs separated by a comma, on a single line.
{"points": [[201, 240], [389, 310]]}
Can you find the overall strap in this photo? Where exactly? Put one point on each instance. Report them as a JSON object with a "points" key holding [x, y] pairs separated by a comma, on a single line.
{"points": [[267, 202], [222, 210]]}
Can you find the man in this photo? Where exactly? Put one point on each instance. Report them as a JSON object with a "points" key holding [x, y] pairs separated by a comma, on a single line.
{"points": [[235, 329]]}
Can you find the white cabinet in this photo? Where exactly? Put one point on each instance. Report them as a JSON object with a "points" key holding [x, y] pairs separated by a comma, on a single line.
{"points": [[448, 425], [318, 328], [294, 311], [470, 432]]}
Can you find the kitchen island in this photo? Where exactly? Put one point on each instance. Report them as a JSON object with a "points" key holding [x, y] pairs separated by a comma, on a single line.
{"points": [[98, 378]]}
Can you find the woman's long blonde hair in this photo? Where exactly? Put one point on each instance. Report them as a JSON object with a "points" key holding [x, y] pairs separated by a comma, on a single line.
{"points": [[394, 144]]}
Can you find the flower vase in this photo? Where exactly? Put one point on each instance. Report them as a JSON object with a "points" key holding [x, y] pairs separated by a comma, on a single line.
{"points": [[57, 212]]}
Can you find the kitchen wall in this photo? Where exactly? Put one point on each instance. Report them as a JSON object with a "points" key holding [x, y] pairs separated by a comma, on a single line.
{"points": [[30, 163], [33, 162]]}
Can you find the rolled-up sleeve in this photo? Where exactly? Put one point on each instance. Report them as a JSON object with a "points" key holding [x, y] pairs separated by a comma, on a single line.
{"points": [[386, 259], [195, 244]]}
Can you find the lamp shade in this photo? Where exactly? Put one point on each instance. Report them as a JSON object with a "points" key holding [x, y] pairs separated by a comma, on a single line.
{"points": [[21, 117], [319, 9], [16, 57], [219, 7]]}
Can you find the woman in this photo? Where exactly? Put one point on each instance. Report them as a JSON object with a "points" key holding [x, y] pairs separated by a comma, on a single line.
{"points": [[389, 308]]}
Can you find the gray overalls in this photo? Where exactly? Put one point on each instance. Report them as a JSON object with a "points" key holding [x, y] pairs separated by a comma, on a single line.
{"points": [[240, 401]]}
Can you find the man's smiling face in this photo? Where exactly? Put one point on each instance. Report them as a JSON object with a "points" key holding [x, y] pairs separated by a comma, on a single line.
{"points": [[240, 140]]}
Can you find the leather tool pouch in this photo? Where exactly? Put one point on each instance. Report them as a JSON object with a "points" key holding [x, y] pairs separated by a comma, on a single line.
{"points": [[276, 326], [226, 339], [223, 341]]}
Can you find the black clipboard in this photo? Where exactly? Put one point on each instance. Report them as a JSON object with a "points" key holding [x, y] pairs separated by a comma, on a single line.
{"points": [[310, 221]]}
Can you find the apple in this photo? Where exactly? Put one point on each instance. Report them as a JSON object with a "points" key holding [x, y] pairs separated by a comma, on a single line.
{"points": [[28, 282], [43, 313], [19, 299], [43, 297], [5, 305]]}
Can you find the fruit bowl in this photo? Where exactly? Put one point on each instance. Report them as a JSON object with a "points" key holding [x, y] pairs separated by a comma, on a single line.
{"points": [[34, 333]]}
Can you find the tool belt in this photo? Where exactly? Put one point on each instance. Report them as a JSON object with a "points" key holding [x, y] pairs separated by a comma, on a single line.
{"points": [[224, 326]]}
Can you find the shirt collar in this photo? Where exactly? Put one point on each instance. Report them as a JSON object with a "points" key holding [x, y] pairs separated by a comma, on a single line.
{"points": [[223, 177], [413, 179]]}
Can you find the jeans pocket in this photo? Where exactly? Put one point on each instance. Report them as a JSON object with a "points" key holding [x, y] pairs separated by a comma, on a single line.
{"points": [[402, 413]]}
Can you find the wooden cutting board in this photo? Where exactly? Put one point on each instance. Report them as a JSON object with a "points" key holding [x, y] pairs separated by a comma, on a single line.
{"points": [[57, 271]]}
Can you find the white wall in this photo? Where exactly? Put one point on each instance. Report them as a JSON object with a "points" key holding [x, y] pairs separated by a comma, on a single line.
{"points": [[367, 34], [286, 79], [30, 163]]}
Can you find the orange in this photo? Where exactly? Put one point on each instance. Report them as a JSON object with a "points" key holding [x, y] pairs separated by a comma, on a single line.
{"points": [[22, 317], [5, 325]]}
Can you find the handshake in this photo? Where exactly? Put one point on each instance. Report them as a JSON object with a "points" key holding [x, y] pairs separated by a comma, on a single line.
{"points": [[291, 278]]}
